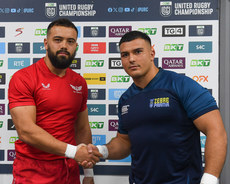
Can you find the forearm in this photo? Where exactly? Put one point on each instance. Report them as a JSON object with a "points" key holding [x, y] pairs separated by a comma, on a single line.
{"points": [[215, 153], [119, 147], [83, 135]]}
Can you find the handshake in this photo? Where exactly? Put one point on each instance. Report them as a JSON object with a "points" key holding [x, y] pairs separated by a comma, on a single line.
{"points": [[88, 155]]}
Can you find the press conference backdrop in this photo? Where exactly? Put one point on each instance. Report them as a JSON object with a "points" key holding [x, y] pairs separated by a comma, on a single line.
{"points": [[184, 34]]}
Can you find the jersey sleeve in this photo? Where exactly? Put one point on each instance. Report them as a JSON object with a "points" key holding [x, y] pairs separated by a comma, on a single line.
{"points": [[196, 99], [121, 129], [20, 92]]}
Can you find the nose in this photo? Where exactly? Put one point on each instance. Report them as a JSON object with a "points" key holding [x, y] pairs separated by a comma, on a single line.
{"points": [[131, 58], [64, 44]]}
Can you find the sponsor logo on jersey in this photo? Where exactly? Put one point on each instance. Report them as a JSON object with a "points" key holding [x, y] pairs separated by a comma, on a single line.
{"points": [[2, 94], [40, 32], [159, 102], [113, 125], [94, 47], [165, 8], [18, 48], [148, 31], [173, 31], [124, 109], [2, 155], [115, 63], [95, 78], [200, 47], [115, 94], [200, 30], [2, 32], [173, 63], [113, 109], [94, 31], [2, 78], [76, 89], [200, 63], [46, 86], [11, 124], [200, 78], [120, 78], [98, 139], [173, 47], [12, 140], [50, 10], [2, 109], [119, 31], [96, 94], [94, 63], [11, 155], [96, 109], [2, 48], [96, 125], [19, 31], [18, 63], [114, 47], [76, 63]]}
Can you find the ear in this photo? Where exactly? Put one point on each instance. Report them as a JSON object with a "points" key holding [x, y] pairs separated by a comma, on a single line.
{"points": [[46, 43], [153, 51]]}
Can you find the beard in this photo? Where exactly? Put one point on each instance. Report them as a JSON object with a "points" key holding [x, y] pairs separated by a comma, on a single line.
{"points": [[60, 62]]}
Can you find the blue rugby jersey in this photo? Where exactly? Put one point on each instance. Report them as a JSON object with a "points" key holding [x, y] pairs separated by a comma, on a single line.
{"points": [[165, 144]]}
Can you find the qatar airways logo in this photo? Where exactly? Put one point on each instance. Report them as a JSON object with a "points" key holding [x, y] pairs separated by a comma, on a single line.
{"points": [[119, 31], [173, 63]]}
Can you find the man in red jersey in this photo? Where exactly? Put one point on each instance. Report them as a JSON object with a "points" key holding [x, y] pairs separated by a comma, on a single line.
{"points": [[47, 102]]}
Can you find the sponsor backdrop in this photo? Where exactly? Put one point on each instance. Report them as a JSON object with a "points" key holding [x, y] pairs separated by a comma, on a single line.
{"points": [[183, 32]]}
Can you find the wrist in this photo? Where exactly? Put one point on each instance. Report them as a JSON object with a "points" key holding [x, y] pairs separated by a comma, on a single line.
{"points": [[103, 150], [209, 179], [88, 172], [70, 151]]}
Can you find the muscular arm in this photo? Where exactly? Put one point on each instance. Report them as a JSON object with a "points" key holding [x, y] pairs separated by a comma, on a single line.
{"points": [[24, 118], [216, 141], [119, 147]]}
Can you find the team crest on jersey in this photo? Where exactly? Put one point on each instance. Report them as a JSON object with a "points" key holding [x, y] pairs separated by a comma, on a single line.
{"points": [[46, 87], [124, 109], [159, 102], [76, 89]]}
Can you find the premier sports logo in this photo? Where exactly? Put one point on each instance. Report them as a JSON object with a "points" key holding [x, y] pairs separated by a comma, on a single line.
{"points": [[50, 10]]}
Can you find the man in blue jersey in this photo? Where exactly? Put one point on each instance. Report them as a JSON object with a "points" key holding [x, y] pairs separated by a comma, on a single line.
{"points": [[160, 119]]}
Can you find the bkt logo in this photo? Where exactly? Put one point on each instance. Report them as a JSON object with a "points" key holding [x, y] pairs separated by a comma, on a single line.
{"points": [[113, 125], [1, 63], [200, 62], [200, 78], [120, 78], [96, 109], [200, 47], [148, 31], [115, 94], [115, 63], [40, 32], [18, 63], [173, 47], [1, 124], [98, 139], [94, 63], [173, 31], [12, 140], [96, 125]]}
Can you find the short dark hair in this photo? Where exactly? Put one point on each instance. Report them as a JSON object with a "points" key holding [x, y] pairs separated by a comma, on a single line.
{"points": [[132, 35], [61, 22]]}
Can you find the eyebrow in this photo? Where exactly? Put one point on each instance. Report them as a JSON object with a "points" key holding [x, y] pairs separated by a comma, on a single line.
{"points": [[63, 37]]}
